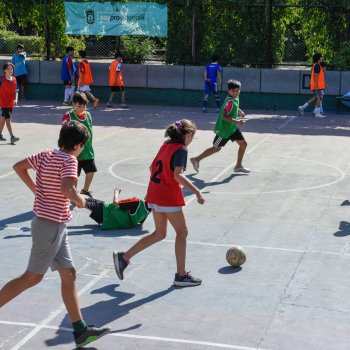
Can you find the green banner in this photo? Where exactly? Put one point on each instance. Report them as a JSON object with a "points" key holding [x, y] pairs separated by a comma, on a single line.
{"points": [[116, 18]]}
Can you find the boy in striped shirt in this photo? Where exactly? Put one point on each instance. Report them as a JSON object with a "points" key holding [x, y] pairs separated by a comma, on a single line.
{"points": [[54, 189]]}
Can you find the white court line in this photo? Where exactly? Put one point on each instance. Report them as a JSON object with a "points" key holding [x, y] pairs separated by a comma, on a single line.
{"points": [[55, 313], [342, 176], [144, 337], [5, 175], [136, 238]]}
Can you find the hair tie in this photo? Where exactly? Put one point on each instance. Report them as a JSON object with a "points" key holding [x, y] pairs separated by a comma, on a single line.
{"points": [[178, 124]]}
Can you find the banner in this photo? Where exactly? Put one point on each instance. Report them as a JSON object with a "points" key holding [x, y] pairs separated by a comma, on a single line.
{"points": [[116, 18]]}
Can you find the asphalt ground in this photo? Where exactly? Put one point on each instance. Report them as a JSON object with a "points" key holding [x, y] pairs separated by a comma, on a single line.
{"points": [[290, 214]]}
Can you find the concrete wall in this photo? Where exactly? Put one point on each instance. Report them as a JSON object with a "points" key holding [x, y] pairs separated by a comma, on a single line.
{"points": [[192, 78]]}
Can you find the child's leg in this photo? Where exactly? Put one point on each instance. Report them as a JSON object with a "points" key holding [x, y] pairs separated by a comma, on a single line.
{"points": [[160, 220], [217, 101], [241, 150], [208, 152], [123, 97], [90, 96], [205, 101], [9, 126], [69, 293], [111, 97], [177, 220], [2, 124], [88, 179], [18, 285], [66, 93]]}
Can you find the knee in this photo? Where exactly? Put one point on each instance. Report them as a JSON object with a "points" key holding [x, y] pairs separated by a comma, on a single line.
{"points": [[32, 278], [68, 275], [159, 235], [182, 233]]}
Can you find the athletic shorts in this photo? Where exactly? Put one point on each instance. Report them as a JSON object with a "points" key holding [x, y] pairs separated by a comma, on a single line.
{"points": [[221, 142], [84, 88], [162, 209], [117, 88], [50, 247], [318, 93], [96, 207], [22, 79], [88, 166], [210, 87], [6, 113]]}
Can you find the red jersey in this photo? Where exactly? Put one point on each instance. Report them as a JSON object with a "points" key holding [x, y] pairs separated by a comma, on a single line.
{"points": [[51, 167], [163, 189], [7, 92]]}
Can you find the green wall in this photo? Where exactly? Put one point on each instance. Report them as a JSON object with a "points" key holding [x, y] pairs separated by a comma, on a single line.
{"points": [[185, 98]]}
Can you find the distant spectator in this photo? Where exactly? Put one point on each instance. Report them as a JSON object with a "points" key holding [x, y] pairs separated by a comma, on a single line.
{"points": [[21, 72]]}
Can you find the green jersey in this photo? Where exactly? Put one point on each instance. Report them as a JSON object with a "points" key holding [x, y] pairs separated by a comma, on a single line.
{"points": [[88, 151], [114, 217], [223, 128]]}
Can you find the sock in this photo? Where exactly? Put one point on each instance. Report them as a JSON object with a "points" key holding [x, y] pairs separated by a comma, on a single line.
{"points": [[217, 100], [11, 134], [66, 93], [205, 103], [321, 108], [305, 105], [79, 326], [317, 110]]}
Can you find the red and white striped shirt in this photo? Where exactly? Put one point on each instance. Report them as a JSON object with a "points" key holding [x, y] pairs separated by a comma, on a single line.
{"points": [[51, 167]]}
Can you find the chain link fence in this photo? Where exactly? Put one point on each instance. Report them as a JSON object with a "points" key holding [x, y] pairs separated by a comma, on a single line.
{"points": [[291, 48]]}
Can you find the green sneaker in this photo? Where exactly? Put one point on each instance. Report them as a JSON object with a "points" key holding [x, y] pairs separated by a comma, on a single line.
{"points": [[90, 334]]}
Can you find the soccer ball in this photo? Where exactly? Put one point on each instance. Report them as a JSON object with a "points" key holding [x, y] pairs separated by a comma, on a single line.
{"points": [[235, 256]]}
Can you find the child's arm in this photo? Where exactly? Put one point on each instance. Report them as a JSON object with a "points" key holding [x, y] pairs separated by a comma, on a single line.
{"points": [[233, 121], [180, 177], [69, 190], [116, 196], [219, 77], [241, 113], [21, 168], [16, 98]]}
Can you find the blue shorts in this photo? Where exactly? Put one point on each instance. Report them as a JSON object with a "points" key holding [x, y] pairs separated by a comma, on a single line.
{"points": [[210, 87]]}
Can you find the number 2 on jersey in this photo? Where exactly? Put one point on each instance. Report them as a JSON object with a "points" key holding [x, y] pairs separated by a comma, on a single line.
{"points": [[159, 166]]}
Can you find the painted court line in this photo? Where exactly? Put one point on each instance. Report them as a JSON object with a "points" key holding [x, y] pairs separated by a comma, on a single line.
{"points": [[55, 313], [6, 175], [150, 338]]}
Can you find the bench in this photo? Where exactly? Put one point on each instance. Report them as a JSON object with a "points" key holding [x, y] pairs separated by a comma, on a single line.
{"points": [[340, 100]]}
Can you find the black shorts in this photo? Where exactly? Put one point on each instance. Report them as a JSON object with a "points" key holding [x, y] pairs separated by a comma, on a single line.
{"points": [[96, 207], [117, 88], [6, 113], [22, 79], [88, 166], [221, 142]]}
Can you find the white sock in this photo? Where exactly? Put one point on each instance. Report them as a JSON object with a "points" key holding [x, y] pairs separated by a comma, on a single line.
{"points": [[317, 110], [321, 108], [66, 93], [305, 105]]}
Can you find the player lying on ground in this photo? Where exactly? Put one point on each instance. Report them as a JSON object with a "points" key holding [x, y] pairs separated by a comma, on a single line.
{"points": [[123, 213]]}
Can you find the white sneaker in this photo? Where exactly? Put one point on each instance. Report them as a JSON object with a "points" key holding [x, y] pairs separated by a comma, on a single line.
{"points": [[301, 110], [319, 115], [195, 164], [241, 169]]}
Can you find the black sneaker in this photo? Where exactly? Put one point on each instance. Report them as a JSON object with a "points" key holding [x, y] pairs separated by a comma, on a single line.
{"points": [[186, 280], [14, 139], [2, 138], [87, 193], [120, 263], [90, 334]]}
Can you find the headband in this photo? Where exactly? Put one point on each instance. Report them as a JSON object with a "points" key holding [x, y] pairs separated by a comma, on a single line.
{"points": [[178, 124]]}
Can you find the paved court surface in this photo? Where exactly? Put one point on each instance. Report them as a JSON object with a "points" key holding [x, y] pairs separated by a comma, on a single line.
{"points": [[291, 215]]}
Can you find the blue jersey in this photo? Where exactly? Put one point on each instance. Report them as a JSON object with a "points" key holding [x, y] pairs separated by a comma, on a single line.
{"points": [[212, 71]]}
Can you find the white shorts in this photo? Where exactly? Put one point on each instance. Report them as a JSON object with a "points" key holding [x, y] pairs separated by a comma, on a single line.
{"points": [[84, 88], [162, 209]]}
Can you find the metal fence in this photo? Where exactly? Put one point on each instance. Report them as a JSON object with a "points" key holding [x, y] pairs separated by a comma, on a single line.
{"points": [[292, 49]]}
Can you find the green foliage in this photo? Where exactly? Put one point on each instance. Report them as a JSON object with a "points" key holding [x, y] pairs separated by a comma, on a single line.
{"points": [[136, 49], [341, 59], [9, 40]]}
